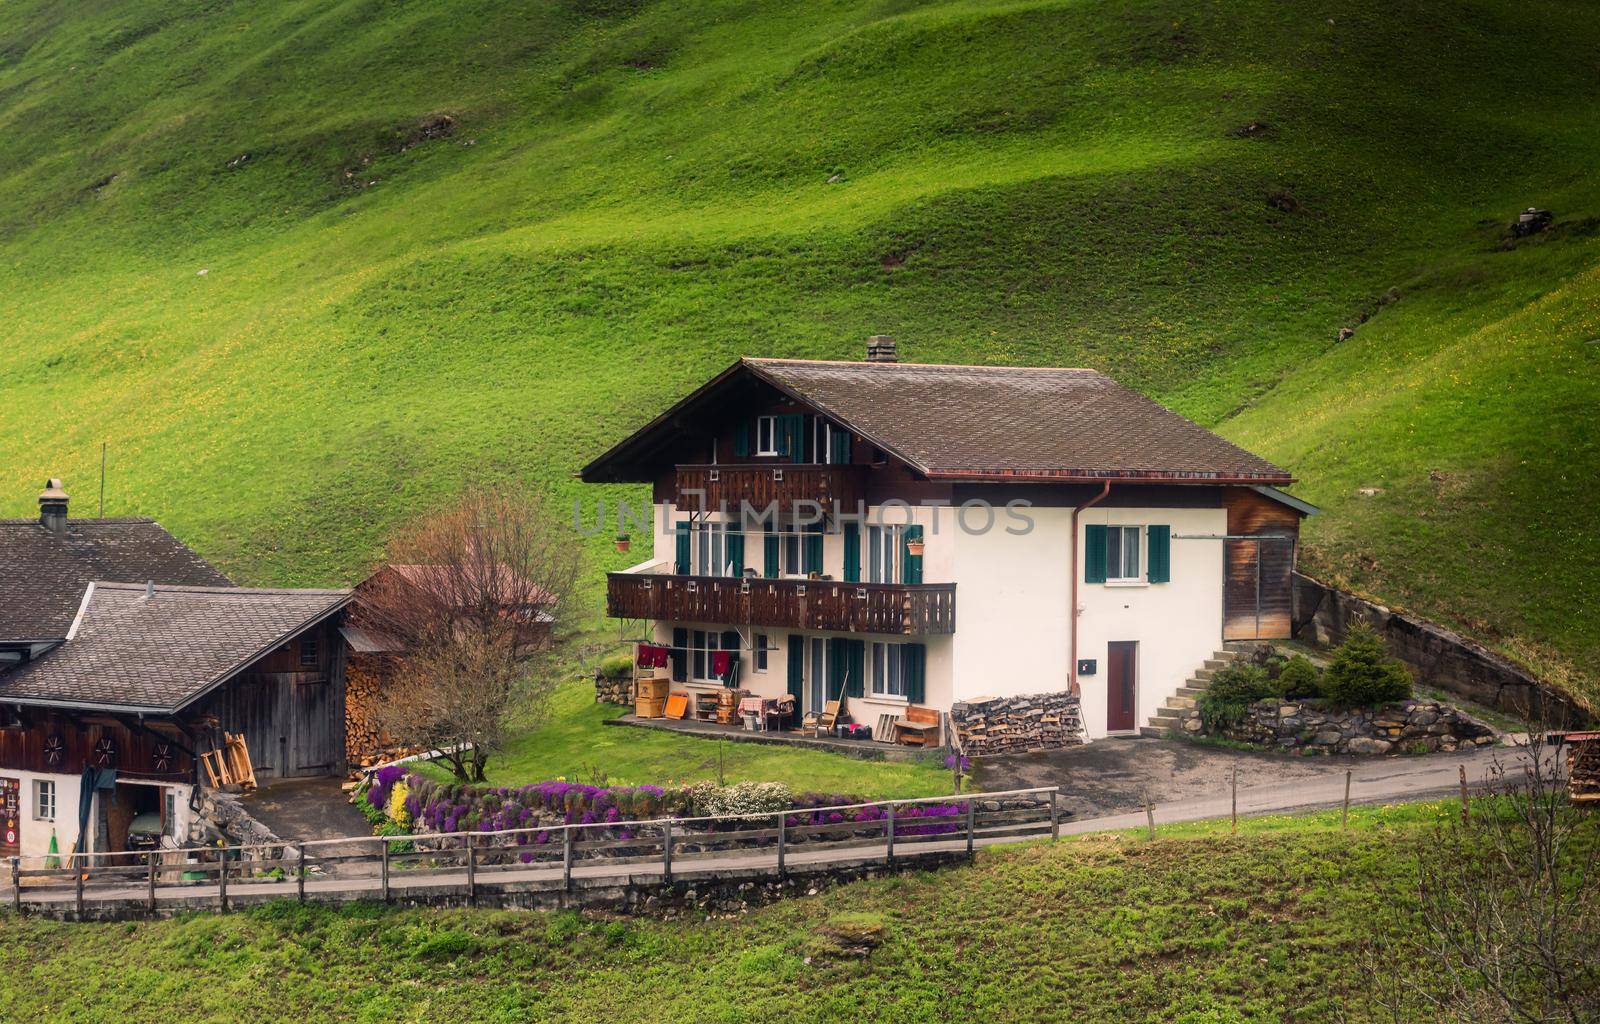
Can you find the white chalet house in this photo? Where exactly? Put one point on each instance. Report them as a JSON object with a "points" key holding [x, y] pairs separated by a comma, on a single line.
{"points": [[928, 535]]}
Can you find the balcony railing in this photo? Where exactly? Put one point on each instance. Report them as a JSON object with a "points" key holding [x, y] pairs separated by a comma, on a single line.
{"points": [[764, 484], [907, 609]]}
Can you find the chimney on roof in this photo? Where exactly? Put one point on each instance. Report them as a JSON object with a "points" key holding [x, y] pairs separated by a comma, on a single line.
{"points": [[880, 349], [53, 506]]}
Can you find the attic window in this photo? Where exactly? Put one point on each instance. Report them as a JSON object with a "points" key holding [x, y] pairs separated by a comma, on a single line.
{"points": [[308, 649], [766, 435]]}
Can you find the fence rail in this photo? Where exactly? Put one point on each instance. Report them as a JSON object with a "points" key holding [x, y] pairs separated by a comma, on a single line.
{"points": [[536, 858]]}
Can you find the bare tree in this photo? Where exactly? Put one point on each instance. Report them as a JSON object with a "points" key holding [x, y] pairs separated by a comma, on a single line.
{"points": [[471, 598], [1509, 901]]}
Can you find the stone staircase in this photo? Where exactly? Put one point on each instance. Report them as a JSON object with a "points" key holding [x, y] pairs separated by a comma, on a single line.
{"points": [[1169, 717]]}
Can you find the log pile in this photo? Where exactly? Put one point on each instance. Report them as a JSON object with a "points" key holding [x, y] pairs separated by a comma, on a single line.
{"points": [[1039, 721], [1583, 767], [365, 743]]}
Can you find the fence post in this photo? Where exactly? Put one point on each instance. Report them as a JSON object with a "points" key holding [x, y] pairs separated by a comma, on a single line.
{"points": [[666, 851], [782, 841], [150, 891], [1466, 815], [472, 870], [972, 816], [1150, 815], [1055, 819], [566, 857], [889, 834], [1344, 813], [1234, 813], [77, 877], [222, 875], [300, 873], [383, 872], [16, 884]]}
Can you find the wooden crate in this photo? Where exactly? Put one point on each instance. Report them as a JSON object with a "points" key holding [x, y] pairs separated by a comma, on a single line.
{"points": [[650, 707]]}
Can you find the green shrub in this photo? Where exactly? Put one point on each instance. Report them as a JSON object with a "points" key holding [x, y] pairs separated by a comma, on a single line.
{"points": [[617, 666], [1233, 689], [1362, 674], [1298, 679]]}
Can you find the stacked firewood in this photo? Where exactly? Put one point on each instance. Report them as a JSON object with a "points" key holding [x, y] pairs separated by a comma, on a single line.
{"points": [[365, 742], [1040, 721]]}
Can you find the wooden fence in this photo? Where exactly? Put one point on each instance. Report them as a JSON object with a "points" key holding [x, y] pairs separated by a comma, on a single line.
{"points": [[538, 858]]}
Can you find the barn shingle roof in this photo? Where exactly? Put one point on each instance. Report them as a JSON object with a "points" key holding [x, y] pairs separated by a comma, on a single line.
{"points": [[43, 574], [133, 650]]}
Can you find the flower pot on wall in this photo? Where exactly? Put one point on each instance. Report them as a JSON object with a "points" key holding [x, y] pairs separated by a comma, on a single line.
{"points": [[914, 548], [623, 543]]}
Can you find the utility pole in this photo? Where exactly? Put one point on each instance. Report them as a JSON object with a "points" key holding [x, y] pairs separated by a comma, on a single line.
{"points": [[102, 479]]}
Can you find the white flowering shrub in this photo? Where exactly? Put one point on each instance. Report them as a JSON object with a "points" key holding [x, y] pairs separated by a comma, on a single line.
{"points": [[707, 799]]}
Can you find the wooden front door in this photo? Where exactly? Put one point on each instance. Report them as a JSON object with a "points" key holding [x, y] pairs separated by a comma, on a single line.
{"points": [[1122, 681]]}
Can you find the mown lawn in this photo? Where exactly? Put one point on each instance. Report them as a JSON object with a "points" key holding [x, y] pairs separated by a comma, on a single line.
{"points": [[575, 743], [1196, 926], [227, 251]]}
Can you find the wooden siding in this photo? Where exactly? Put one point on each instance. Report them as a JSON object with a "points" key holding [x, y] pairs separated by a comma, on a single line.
{"points": [[894, 608], [24, 744], [1258, 591]]}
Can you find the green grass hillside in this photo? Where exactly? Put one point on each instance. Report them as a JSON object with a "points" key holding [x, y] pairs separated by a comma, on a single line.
{"points": [[310, 267]]}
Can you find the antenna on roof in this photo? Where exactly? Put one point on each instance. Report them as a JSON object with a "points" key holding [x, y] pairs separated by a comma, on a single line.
{"points": [[102, 479], [149, 589]]}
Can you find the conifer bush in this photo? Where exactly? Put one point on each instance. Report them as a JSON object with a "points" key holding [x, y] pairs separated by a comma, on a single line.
{"points": [[1362, 674]]}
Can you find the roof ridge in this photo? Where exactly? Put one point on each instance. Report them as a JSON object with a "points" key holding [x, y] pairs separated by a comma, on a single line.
{"points": [[175, 588], [90, 521], [758, 360]]}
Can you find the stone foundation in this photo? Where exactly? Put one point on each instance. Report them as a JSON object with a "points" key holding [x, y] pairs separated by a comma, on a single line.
{"points": [[1438, 657], [1410, 727], [1040, 721]]}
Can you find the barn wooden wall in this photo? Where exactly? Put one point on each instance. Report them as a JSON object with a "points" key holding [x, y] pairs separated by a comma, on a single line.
{"points": [[1258, 593], [23, 747]]}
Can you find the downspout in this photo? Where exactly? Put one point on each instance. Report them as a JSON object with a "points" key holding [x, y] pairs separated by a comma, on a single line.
{"points": [[1072, 609]]}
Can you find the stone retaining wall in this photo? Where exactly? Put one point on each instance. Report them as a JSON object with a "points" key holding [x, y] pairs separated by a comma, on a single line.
{"points": [[1410, 727], [1039, 721], [1438, 657]]}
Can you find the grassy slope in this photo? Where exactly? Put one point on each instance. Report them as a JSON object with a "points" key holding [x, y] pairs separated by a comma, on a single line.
{"points": [[1202, 929], [575, 743], [646, 198]]}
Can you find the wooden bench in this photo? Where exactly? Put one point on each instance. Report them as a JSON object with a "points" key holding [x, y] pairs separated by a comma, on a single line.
{"points": [[918, 728]]}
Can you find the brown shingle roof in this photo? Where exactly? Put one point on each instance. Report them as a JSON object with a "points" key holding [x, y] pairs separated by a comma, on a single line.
{"points": [[43, 574], [977, 423], [130, 651]]}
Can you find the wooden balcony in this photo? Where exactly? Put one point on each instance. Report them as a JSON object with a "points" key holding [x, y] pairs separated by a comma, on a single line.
{"points": [[762, 484], [906, 609]]}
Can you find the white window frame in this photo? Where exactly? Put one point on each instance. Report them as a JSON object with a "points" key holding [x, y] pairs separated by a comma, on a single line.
{"points": [[45, 803], [791, 555], [1116, 574], [708, 549], [766, 439], [822, 440], [763, 647], [884, 543], [701, 643], [886, 666]]}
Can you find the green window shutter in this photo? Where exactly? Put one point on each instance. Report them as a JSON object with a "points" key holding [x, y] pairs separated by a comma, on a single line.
{"points": [[1094, 554], [741, 439], [1160, 545], [840, 445], [915, 668], [680, 563], [793, 443], [769, 556], [797, 671], [852, 552], [858, 667], [680, 654], [735, 549], [837, 666], [811, 556], [910, 565]]}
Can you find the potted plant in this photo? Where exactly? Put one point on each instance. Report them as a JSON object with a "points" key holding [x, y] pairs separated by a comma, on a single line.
{"points": [[914, 548], [624, 542]]}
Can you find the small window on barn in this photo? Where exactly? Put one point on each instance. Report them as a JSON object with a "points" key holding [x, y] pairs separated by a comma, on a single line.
{"points": [[308, 649], [44, 800]]}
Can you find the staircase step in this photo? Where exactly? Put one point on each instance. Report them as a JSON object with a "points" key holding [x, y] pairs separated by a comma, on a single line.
{"points": [[1190, 691], [1212, 664], [1151, 732], [1203, 675], [1173, 715], [1180, 703]]}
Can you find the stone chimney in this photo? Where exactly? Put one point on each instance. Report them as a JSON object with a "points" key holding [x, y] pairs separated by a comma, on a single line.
{"points": [[53, 507], [880, 349]]}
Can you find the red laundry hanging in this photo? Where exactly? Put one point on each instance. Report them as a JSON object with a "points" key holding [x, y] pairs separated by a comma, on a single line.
{"points": [[720, 663], [653, 656]]}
